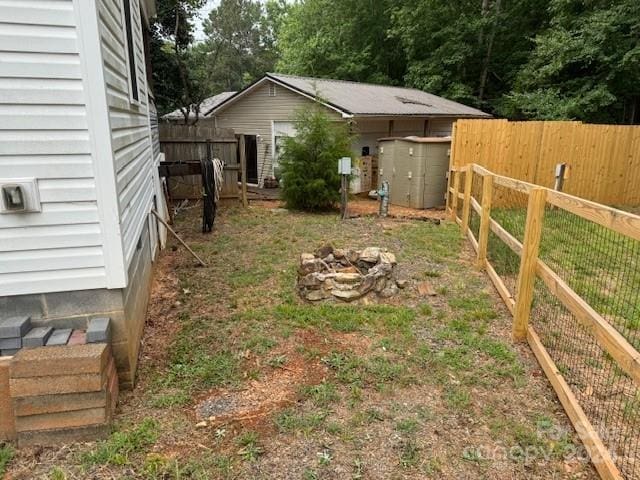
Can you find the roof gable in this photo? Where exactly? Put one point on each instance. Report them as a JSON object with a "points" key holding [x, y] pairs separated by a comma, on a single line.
{"points": [[206, 106], [268, 78]]}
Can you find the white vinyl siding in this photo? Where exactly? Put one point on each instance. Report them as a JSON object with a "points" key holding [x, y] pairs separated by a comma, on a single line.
{"points": [[254, 113], [44, 134], [130, 134]]}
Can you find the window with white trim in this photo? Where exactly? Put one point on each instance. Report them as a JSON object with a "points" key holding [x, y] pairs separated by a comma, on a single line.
{"points": [[272, 89], [131, 53]]}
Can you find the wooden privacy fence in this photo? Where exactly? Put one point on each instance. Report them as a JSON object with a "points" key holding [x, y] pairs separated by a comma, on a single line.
{"points": [[603, 160], [568, 270], [189, 144]]}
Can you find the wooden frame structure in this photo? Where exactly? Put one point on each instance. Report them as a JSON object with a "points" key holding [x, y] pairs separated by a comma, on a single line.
{"points": [[531, 267], [185, 145]]}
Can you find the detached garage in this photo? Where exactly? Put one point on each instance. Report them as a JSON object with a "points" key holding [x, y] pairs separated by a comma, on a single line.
{"points": [[265, 111], [415, 169]]}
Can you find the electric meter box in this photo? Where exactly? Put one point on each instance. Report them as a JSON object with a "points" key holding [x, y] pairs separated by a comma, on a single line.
{"points": [[19, 195], [344, 166]]}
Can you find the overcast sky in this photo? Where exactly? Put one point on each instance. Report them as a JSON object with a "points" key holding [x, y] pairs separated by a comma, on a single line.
{"points": [[204, 12]]}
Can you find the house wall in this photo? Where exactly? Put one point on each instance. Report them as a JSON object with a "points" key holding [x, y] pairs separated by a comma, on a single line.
{"points": [[67, 119], [369, 130], [441, 127], [254, 113], [44, 133], [129, 120]]}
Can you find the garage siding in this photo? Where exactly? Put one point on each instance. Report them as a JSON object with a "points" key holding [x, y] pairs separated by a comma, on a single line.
{"points": [[253, 115], [255, 112]]}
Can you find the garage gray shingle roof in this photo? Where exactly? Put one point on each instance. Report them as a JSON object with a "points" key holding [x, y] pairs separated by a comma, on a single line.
{"points": [[368, 99], [206, 106]]}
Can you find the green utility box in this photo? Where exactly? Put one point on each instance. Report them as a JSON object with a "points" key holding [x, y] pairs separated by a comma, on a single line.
{"points": [[416, 169]]}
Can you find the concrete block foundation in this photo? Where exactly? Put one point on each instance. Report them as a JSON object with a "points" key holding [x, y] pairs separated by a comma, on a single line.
{"points": [[74, 310]]}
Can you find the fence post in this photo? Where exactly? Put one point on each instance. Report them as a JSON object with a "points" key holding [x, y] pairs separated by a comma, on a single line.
{"points": [[466, 207], [456, 188], [449, 197], [485, 220], [451, 167], [243, 171], [528, 263]]}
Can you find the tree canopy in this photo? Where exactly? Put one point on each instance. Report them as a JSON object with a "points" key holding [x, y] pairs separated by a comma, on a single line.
{"points": [[586, 65], [523, 59], [238, 47]]}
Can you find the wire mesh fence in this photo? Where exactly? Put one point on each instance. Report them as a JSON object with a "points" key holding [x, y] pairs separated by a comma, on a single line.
{"points": [[474, 217], [599, 264], [460, 202], [603, 268], [509, 210], [450, 192]]}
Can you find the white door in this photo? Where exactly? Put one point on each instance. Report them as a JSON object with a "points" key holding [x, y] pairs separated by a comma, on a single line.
{"points": [[280, 130]]}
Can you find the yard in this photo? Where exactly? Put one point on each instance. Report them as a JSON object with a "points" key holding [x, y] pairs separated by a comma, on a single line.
{"points": [[241, 379]]}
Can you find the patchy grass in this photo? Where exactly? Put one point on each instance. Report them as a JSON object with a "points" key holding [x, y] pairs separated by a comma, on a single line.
{"points": [[6, 454], [400, 389], [322, 395], [171, 399], [250, 448], [118, 449], [291, 421], [57, 474]]}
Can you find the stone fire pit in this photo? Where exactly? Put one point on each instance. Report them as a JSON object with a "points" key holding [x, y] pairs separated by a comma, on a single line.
{"points": [[347, 274]]}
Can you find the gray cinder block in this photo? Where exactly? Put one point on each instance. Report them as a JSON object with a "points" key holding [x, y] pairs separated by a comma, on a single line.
{"points": [[9, 353], [59, 337], [37, 337], [14, 327], [10, 343], [99, 330]]}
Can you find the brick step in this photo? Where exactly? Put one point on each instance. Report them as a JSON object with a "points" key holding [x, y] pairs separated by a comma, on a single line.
{"points": [[43, 404], [57, 394], [52, 361], [7, 422], [61, 384], [53, 421], [63, 436]]}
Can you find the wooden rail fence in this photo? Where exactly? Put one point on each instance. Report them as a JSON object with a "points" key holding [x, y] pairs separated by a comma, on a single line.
{"points": [[461, 203], [603, 160]]}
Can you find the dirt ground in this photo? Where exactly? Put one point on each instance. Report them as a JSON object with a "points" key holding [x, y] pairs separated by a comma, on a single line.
{"points": [[239, 378]]}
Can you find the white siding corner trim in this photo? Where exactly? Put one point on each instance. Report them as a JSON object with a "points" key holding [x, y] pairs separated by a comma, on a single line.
{"points": [[99, 132]]}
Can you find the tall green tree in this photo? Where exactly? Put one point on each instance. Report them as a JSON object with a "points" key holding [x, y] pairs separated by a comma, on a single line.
{"points": [[343, 39], [240, 42], [309, 160], [469, 50], [176, 79], [585, 66]]}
